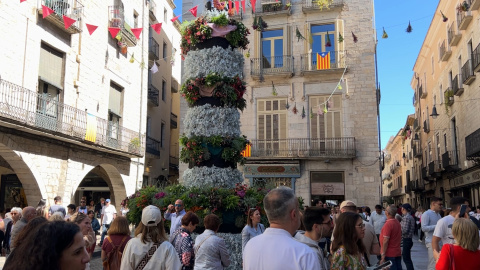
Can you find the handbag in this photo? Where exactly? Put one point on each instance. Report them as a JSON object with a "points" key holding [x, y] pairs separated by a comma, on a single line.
{"points": [[452, 260], [147, 256]]}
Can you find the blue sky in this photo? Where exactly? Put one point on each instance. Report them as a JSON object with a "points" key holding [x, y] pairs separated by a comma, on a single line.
{"points": [[396, 56]]}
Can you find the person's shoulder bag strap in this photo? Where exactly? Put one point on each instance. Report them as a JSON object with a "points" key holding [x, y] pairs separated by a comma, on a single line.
{"points": [[198, 247], [148, 256]]}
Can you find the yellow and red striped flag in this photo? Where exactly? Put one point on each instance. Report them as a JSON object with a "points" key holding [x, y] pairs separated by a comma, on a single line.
{"points": [[323, 60]]}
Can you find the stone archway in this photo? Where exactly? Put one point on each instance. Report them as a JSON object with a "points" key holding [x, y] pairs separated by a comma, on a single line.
{"points": [[112, 177], [32, 183]]}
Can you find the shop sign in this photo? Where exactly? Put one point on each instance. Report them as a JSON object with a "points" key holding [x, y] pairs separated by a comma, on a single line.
{"points": [[328, 188], [465, 179], [272, 170]]}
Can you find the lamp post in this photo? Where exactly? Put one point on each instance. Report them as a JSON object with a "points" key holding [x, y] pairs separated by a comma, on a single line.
{"points": [[434, 112]]}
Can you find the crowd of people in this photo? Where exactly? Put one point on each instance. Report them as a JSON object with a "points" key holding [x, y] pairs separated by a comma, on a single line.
{"points": [[319, 237]]}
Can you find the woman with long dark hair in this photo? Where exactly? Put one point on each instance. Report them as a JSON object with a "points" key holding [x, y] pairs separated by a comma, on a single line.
{"points": [[55, 245], [347, 247], [253, 227], [85, 224]]}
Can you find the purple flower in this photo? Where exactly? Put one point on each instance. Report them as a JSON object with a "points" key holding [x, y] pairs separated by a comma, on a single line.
{"points": [[191, 195], [160, 195], [241, 193]]}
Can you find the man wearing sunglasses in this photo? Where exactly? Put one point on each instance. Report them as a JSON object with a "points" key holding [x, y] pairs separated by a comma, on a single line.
{"points": [[175, 214], [318, 225]]}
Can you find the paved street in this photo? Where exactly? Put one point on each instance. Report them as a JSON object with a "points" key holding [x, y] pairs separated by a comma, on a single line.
{"points": [[419, 256]]}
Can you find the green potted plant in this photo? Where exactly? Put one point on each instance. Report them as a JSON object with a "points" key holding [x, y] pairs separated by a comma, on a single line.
{"points": [[134, 146], [449, 99]]}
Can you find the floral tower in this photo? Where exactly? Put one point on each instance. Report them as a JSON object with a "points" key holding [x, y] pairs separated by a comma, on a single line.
{"points": [[212, 142]]}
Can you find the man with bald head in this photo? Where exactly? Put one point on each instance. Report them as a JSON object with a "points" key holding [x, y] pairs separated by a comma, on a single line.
{"points": [[175, 214], [28, 213], [276, 248]]}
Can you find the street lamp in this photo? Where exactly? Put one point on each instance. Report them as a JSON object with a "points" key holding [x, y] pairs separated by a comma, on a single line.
{"points": [[434, 112]]}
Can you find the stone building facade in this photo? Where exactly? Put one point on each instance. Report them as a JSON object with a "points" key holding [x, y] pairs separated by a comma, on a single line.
{"points": [[161, 152], [331, 155], [73, 105], [446, 105]]}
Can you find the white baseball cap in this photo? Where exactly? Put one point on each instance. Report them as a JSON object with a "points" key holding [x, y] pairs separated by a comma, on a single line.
{"points": [[151, 215]]}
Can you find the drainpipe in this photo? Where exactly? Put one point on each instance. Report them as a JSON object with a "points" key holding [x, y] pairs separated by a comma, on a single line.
{"points": [[377, 93], [141, 95]]}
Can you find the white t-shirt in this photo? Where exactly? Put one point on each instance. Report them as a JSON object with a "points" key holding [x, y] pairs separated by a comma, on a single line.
{"points": [[277, 249], [443, 230], [107, 212]]}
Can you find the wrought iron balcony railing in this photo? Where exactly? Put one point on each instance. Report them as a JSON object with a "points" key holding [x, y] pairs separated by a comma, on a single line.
{"points": [[153, 49], [457, 90], [450, 160], [417, 186], [116, 18], [153, 94], [152, 10], [272, 65], [304, 148], [396, 192], [153, 146], [454, 35], [173, 120], [46, 113], [312, 5], [422, 93], [476, 57], [468, 75], [445, 51], [308, 62], [272, 7], [464, 18], [434, 168], [70, 8]]}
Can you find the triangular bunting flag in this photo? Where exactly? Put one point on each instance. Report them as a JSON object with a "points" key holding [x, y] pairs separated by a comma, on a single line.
{"points": [[230, 4], [385, 35], [174, 19], [154, 68], [194, 10], [137, 32], [22, 1], [132, 59], [68, 21], [237, 6], [113, 31], [46, 11], [157, 27], [91, 28], [253, 2], [243, 5], [409, 28]]}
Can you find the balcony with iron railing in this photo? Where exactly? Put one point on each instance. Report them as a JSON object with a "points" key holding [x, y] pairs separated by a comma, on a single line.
{"points": [[305, 148], [454, 35], [457, 90], [396, 192], [174, 86], [418, 186], [421, 93], [426, 126], [468, 75], [415, 125], [152, 7], [153, 50], [464, 18], [417, 151], [319, 6], [153, 94], [272, 65], [70, 8], [274, 7], [42, 112], [425, 175], [476, 58], [450, 161], [312, 63], [173, 163], [414, 99], [173, 120], [435, 168], [116, 18], [153, 146], [444, 51]]}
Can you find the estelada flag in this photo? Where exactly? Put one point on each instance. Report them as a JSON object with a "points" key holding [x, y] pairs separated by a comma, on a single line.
{"points": [[323, 60]]}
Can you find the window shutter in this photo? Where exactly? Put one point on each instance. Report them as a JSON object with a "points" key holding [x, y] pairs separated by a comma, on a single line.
{"points": [[283, 103], [258, 42], [260, 105], [268, 105], [288, 40], [283, 126], [51, 66], [339, 31], [337, 125], [268, 127], [115, 100], [261, 127]]}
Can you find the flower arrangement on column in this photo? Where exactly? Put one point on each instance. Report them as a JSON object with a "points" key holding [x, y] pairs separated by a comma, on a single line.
{"points": [[212, 142]]}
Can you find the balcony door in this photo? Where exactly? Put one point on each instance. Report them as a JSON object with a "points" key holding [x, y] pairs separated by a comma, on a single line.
{"points": [[272, 127], [272, 48], [323, 37], [326, 127]]}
